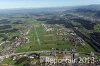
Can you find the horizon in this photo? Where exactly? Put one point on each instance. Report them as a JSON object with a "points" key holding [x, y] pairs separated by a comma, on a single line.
{"points": [[13, 4], [46, 7]]}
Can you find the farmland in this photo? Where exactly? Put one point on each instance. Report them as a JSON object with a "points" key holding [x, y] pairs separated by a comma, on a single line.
{"points": [[42, 39]]}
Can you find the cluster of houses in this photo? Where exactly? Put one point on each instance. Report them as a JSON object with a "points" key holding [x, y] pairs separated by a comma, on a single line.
{"points": [[9, 49], [58, 58], [66, 34], [47, 27], [20, 41], [68, 58]]}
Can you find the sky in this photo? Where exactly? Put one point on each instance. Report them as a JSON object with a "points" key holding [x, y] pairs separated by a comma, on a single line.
{"points": [[6, 4]]}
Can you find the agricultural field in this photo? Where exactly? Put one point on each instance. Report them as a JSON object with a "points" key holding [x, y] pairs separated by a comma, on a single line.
{"points": [[49, 33], [41, 38]]}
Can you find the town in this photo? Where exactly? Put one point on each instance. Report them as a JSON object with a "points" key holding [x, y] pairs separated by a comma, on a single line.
{"points": [[49, 33]]}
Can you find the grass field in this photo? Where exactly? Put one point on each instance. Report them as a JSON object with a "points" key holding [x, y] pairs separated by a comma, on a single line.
{"points": [[47, 41]]}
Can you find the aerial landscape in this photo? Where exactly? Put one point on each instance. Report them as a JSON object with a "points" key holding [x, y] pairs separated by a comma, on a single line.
{"points": [[49, 33]]}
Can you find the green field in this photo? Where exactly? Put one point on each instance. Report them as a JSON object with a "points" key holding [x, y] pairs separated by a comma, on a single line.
{"points": [[47, 41]]}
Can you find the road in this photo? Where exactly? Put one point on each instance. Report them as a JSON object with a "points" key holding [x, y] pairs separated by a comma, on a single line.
{"points": [[9, 55], [43, 51]]}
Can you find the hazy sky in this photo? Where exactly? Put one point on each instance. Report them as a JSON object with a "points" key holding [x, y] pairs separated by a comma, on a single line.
{"points": [[43, 3]]}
